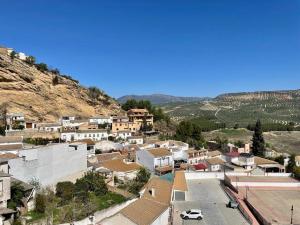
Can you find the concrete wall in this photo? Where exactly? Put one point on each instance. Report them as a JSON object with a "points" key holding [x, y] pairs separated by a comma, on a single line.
{"points": [[144, 158], [33, 134], [211, 175], [49, 164], [5, 191], [162, 219]]}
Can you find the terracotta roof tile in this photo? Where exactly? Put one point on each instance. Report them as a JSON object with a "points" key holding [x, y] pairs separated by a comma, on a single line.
{"points": [[120, 166], [159, 152], [180, 181]]}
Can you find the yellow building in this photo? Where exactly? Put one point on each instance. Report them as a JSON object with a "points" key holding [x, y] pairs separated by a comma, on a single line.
{"points": [[122, 123], [138, 116]]}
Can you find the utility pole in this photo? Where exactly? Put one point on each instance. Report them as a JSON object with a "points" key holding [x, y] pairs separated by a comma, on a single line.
{"points": [[292, 211]]}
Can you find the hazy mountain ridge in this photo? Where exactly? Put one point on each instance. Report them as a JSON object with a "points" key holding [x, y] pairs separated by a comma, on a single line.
{"points": [[261, 95], [158, 99]]}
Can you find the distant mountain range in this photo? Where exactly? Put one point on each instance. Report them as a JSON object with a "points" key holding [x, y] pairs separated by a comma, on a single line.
{"points": [[158, 99], [161, 99], [280, 106]]}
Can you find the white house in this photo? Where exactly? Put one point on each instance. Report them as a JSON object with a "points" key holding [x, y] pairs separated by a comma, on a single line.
{"points": [[215, 164], [153, 208], [101, 119], [139, 140], [94, 134], [66, 120], [123, 134], [49, 127], [245, 160], [157, 160], [50, 164], [14, 119], [196, 156], [177, 148], [122, 169]]}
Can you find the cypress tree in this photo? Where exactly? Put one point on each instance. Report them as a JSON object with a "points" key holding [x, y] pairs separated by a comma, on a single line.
{"points": [[258, 142]]}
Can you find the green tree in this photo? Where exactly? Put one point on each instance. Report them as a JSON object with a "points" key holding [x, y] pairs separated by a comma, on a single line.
{"points": [[280, 159], [40, 203], [65, 191], [291, 164], [239, 143], [91, 182], [17, 193], [30, 60], [42, 67], [13, 55], [258, 142], [296, 172], [143, 175]]}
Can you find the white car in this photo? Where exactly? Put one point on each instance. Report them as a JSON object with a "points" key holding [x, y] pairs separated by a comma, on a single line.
{"points": [[192, 214]]}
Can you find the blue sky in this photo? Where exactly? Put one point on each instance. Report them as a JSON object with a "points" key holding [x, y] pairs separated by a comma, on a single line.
{"points": [[186, 48]]}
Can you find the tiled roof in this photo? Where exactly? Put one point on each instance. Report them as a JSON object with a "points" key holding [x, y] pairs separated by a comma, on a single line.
{"points": [[86, 141], [108, 156], [11, 147], [162, 189], [215, 161], [233, 154], [11, 139], [214, 153], [261, 161], [8, 156], [159, 152], [119, 166], [145, 210], [180, 181], [200, 166]]}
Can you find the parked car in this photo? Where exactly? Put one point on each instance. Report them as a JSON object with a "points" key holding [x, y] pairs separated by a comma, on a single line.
{"points": [[232, 204], [192, 214]]}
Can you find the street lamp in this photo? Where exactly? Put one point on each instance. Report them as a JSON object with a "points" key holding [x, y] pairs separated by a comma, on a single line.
{"points": [[292, 211]]}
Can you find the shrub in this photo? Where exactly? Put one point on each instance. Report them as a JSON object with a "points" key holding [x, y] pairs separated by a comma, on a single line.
{"points": [[30, 60], [55, 71], [13, 55], [55, 80], [94, 93], [42, 67], [40, 203], [91, 182], [17, 193], [65, 191]]}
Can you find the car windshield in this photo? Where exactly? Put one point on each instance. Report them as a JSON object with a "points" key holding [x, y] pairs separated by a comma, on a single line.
{"points": [[188, 212]]}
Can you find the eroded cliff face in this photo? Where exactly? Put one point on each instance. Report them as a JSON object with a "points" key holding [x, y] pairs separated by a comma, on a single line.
{"points": [[44, 96]]}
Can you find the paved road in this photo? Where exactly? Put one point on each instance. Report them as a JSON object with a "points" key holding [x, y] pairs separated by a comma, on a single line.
{"points": [[208, 196]]}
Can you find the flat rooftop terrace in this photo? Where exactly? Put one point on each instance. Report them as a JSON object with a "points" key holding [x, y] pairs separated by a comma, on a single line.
{"points": [[262, 179], [274, 206]]}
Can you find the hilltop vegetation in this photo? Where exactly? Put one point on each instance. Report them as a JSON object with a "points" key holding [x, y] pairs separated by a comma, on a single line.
{"points": [[42, 93], [280, 107]]}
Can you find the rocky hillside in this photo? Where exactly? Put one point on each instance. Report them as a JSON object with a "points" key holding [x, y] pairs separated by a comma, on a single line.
{"points": [[46, 96]]}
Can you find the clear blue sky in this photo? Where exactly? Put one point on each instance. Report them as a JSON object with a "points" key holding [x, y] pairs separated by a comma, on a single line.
{"points": [[186, 48]]}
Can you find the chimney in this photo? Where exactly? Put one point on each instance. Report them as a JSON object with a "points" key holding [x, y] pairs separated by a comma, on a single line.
{"points": [[152, 192]]}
